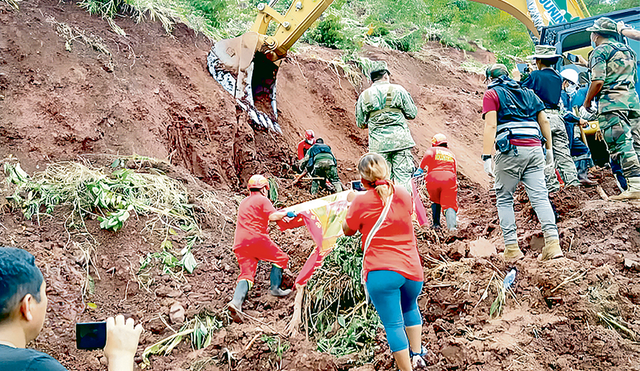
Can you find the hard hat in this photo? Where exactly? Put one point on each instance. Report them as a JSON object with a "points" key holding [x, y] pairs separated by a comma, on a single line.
{"points": [[257, 182], [570, 74], [309, 134], [438, 140]]}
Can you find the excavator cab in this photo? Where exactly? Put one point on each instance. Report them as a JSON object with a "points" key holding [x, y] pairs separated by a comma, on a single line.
{"points": [[247, 65]]}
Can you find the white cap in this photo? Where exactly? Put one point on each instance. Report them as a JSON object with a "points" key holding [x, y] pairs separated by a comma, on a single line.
{"points": [[570, 74]]}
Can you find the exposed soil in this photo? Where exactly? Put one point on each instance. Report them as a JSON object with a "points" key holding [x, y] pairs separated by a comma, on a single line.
{"points": [[152, 95]]}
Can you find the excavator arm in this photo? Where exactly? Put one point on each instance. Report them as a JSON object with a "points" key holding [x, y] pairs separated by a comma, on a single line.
{"points": [[535, 14], [246, 66]]}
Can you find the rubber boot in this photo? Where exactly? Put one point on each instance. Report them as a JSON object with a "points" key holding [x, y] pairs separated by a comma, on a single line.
{"points": [[512, 253], [276, 279], [235, 305], [551, 250], [452, 219], [632, 192], [435, 211]]}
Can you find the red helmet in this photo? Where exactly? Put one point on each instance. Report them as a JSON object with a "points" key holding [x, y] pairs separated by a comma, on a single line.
{"points": [[309, 135], [438, 140], [257, 182]]}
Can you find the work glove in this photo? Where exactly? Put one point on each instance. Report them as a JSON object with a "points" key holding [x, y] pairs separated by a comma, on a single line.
{"points": [[291, 214], [549, 158], [418, 172], [588, 113], [488, 167]]}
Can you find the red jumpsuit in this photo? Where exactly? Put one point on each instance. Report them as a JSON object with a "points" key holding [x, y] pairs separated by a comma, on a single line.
{"points": [[442, 183], [303, 147], [251, 242]]}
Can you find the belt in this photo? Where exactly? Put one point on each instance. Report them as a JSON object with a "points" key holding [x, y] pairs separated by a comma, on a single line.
{"points": [[381, 111]]}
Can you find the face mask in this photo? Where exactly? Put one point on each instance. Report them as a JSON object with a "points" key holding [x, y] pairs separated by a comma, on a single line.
{"points": [[571, 89], [593, 43]]}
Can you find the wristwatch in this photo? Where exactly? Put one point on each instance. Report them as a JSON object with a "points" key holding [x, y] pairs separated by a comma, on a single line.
{"points": [[485, 157]]}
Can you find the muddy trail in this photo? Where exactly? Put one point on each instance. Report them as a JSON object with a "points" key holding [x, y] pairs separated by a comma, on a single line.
{"points": [[70, 89]]}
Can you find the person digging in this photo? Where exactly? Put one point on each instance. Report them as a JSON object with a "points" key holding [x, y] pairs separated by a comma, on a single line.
{"points": [[252, 243], [321, 164], [441, 180]]}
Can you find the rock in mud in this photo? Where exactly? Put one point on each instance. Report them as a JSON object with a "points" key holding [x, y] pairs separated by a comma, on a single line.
{"points": [[176, 313], [632, 264], [482, 248]]}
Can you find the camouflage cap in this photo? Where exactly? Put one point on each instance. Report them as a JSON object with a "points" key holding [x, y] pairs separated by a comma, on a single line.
{"points": [[377, 68], [544, 52], [495, 70], [604, 25]]}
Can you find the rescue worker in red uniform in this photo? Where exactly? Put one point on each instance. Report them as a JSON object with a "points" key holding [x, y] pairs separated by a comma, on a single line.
{"points": [[442, 182], [252, 243], [306, 143]]}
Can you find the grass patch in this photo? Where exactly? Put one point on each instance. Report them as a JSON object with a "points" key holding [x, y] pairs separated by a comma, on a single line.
{"points": [[337, 315]]}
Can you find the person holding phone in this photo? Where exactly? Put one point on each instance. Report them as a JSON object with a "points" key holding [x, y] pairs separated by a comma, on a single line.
{"points": [[391, 264], [23, 306]]}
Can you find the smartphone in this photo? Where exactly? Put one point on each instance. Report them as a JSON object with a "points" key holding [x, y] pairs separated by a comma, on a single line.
{"points": [[91, 335], [356, 185], [573, 58]]}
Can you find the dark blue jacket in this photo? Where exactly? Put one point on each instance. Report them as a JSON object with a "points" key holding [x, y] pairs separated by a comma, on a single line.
{"points": [[547, 84]]}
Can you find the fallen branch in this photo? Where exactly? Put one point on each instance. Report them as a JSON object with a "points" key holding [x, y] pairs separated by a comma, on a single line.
{"points": [[252, 341], [602, 193], [609, 319], [571, 278]]}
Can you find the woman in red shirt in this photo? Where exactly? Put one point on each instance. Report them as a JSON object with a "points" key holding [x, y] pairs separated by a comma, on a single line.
{"points": [[391, 263]]}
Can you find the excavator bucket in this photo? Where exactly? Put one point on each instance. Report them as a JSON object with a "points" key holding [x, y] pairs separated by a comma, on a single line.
{"points": [[248, 75]]}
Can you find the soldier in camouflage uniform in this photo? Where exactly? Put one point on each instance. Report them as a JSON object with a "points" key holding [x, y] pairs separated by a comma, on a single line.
{"points": [[384, 108], [321, 164], [613, 79]]}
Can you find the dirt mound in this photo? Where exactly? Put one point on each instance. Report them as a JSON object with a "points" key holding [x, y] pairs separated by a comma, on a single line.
{"points": [[72, 89]]}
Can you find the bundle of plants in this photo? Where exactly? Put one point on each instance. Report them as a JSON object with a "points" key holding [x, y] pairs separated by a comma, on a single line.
{"points": [[337, 314]]}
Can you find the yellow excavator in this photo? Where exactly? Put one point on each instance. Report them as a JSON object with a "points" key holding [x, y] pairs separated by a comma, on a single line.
{"points": [[246, 66]]}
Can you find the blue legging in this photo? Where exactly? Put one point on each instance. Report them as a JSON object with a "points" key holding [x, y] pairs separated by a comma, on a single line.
{"points": [[396, 300]]}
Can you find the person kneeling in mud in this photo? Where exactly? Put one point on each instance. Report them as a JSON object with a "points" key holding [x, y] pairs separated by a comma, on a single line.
{"points": [[252, 243], [442, 181], [320, 162], [391, 264]]}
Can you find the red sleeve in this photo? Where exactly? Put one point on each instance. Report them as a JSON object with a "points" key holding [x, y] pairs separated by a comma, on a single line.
{"points": [[427, 160], [267, 207], [301, 150], [353, 214], [490, 102]]}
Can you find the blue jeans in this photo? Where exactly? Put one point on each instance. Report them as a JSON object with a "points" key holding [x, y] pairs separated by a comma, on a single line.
{"points": [[396, 300], [527, 166]]}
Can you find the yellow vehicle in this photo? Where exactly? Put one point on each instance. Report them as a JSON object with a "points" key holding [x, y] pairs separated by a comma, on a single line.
{"points": [[246, 66]]}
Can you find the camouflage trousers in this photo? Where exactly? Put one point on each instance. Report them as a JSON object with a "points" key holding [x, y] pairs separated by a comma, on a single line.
{"points": [[327, 171], [561, 155], [401, 165], [621, 133]]}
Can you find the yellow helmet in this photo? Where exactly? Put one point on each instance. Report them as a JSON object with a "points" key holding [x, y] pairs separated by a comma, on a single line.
{"points": [[438, 140], [257, 182]]}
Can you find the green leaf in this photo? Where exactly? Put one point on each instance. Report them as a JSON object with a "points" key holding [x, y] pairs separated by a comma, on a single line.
{"points": [[115, 163], [341, 321], [166, 245], [189, 262]]}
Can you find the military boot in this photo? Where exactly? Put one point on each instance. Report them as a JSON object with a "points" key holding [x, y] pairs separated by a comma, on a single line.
{"points": [[512, 253], [276, 280], [632, 192], [551, 250], [235, 305]]}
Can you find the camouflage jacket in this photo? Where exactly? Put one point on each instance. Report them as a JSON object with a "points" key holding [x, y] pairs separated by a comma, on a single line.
{"points": [[615, 65], [384, 108]]}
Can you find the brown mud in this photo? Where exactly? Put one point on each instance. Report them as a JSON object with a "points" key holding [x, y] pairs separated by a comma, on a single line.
{"points": [[150, 94]]}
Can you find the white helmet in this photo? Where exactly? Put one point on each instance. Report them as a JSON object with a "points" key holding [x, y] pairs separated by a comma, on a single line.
{"points": [[570, 74]]}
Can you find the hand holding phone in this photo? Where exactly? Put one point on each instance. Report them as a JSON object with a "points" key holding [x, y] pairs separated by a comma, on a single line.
{"points": [[118, 338], [91, 335]]}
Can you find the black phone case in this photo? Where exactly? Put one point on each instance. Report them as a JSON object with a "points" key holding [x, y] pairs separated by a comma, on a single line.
{"points": [[91, 335]]}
